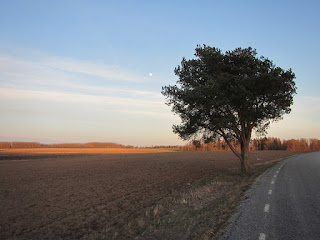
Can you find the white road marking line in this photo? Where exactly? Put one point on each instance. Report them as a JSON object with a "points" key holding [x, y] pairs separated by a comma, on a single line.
{"points": [[275, 175], [270, 192], [272, 182], [266, 208], [262, 236], [277, 171]]}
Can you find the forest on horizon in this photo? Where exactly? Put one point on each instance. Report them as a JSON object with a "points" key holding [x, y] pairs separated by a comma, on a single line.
{"points": [[265, 143]]}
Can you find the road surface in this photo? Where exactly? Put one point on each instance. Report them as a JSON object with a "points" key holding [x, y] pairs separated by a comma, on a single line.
{"points": [[283, 203]]}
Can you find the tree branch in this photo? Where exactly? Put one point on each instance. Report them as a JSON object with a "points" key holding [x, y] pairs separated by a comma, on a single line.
{"points": [[221, 133]]}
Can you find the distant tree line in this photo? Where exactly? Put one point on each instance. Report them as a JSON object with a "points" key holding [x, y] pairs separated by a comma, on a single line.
{"points": [[301, 144], [257, 144], [7, 145], [195, 145]]}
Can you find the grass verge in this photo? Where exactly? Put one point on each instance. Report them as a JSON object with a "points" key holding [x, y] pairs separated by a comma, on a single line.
{"points": [[200, 211]]}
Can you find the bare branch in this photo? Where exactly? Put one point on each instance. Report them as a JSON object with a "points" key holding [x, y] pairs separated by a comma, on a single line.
{"points": [[222, 134]]}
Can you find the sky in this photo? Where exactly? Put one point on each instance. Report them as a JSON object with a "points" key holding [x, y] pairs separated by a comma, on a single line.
{"points": [[82, 71]]}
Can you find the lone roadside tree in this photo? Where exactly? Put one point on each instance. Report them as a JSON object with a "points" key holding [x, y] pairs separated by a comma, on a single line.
{"points": [[229, 95]]}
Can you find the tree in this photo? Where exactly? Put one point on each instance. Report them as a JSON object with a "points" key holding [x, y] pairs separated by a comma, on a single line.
{"points": [[228, 95]]}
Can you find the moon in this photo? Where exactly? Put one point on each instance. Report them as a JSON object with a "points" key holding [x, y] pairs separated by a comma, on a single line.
{"points": [[150, 74]]}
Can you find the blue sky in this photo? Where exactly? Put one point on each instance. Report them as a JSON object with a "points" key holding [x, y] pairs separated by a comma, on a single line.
{"points": [[78, 71]]}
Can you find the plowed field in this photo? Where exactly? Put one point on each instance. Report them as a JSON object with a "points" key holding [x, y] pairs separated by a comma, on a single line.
{"points": [[87, 196]]}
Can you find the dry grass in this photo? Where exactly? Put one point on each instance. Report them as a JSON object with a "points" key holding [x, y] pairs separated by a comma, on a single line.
{"points": [[181, 195], [200, 212]]}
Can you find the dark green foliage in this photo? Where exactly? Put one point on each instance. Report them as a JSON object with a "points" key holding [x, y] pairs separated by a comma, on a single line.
{"points": [[228, 95]]}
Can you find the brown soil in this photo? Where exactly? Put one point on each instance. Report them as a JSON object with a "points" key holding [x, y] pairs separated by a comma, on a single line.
{"points": [[99, 195]]}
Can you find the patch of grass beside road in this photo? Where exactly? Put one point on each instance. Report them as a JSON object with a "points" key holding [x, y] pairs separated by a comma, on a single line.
{"points": [[201, 211]]}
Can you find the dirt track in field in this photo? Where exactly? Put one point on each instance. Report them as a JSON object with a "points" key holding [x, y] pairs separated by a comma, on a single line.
{"points": [[70, 197]]}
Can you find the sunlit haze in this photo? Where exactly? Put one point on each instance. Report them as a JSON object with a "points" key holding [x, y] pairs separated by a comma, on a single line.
{"points": [[81, 71]]}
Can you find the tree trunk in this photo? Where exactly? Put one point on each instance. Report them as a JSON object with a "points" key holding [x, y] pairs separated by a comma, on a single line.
{"points": [[245, 167], [244, 155]]}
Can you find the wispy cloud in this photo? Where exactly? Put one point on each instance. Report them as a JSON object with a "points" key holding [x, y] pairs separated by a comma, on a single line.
{"points": [[91, 68], [52, 96], [74, 75], [301, 122], [306, 106], [55, 66], [71, 75], [312, 99], [60, 80]]}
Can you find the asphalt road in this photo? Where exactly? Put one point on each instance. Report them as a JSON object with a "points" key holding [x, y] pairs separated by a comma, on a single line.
{"points": [[283, 203]]}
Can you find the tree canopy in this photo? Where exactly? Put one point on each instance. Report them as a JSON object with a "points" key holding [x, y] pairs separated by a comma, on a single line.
{"points": [[229, 95]]}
